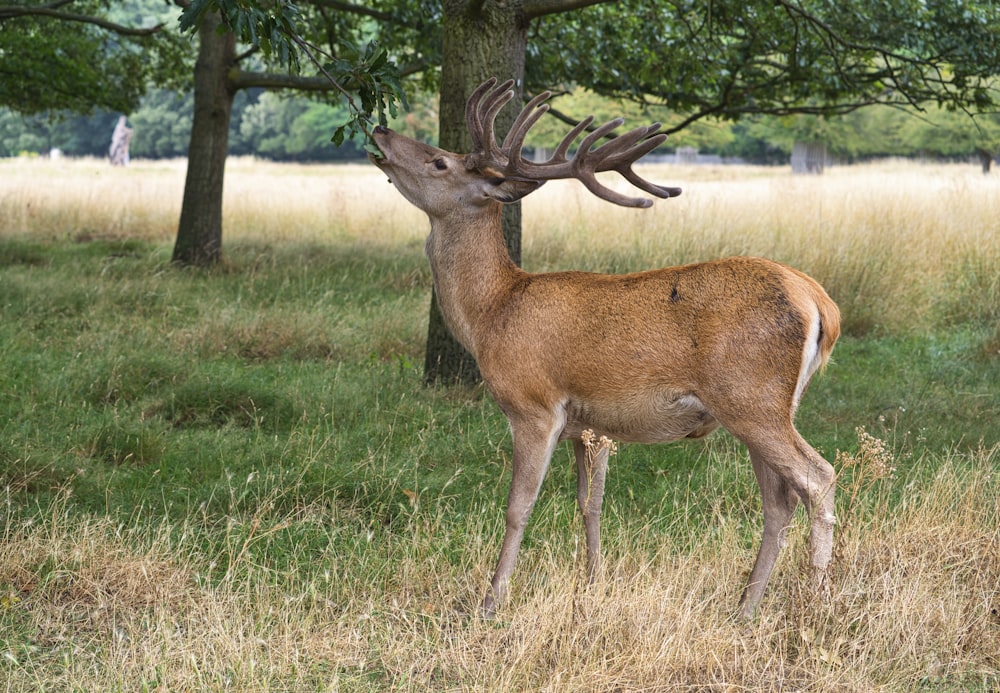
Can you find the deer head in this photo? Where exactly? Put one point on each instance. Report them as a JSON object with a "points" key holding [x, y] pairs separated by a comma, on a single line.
{"points": [[499, 172]]}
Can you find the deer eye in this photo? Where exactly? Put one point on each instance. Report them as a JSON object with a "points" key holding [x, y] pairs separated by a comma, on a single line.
{"points": [[440, 164]]}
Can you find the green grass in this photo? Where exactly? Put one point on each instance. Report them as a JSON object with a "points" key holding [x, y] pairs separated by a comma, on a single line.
{"points": [[149, 370], [234, 479]]}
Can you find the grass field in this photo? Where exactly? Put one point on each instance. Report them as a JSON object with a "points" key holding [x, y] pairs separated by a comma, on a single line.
{"points": [[234, 480]]}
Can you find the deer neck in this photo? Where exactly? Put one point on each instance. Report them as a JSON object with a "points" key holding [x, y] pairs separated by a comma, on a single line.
{"points": [[472, 270]]}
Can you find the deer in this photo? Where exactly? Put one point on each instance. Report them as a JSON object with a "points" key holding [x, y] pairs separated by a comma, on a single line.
{"points": [[648, 357]]}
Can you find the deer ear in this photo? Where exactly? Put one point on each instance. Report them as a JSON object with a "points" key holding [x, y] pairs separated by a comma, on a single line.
{"points": [[509, 190]]}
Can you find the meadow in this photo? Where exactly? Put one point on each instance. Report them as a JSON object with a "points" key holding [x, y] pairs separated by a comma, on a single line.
{"points": [[233, 479]]}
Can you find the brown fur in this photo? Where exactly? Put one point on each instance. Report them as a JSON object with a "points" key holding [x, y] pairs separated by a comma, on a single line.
{"points": [[647, 357]]}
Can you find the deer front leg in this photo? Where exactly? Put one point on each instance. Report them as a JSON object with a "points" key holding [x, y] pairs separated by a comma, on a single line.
{"points": [[534, 441], [591, 472]]}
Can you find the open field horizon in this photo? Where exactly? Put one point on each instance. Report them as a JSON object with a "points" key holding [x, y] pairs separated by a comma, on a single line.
{"points": [[868, 226], [233, 479]]}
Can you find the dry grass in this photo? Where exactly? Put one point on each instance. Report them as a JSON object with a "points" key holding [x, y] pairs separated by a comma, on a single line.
{"points": [[897, 244], [95, 603], [70, 197], [865, 232], [914, 604]]}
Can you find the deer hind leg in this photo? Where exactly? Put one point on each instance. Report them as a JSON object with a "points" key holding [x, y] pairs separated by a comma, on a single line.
{"points": [[779, 502], [590, 496], [786, 476], [821, 512], [534, 440]]}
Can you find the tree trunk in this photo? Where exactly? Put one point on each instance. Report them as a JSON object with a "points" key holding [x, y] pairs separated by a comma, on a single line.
{"points": [[481, 40], [985, 159], [120, 139], [199, 233]]}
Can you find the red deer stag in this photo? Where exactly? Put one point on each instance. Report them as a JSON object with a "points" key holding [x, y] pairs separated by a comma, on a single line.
{"points": [[647, 357]]}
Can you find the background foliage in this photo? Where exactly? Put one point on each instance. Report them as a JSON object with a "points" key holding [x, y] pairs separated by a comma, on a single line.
{"points": [[287, 128], [697, 69]]}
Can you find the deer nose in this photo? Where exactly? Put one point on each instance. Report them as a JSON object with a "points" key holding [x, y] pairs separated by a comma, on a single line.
{"points": [[381, 130]]}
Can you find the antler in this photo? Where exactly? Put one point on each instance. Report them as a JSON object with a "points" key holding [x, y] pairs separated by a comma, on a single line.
{"points": [[617, 154]]}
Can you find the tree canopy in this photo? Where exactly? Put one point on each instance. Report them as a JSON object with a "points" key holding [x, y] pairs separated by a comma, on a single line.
{"points": [[82, 55], [727, 59]]}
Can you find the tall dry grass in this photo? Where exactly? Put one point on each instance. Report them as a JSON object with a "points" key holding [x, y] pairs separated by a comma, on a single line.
{"points": [[897, 244], [263, 202], [900, 246], [913, 603]]}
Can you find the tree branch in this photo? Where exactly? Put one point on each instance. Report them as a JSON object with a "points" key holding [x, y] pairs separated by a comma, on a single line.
{"points": [[353, 9], [835, 39], [539, 8], [241, 79], [12, 12]]}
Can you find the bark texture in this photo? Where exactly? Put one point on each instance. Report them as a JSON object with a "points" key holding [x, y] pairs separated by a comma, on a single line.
{"points": [[199, 232], [985, 159], [481, 40]]}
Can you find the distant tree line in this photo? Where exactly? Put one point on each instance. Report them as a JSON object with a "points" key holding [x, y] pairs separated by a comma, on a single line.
{"points": [[264, 124], [873, 132], [278, 127]]}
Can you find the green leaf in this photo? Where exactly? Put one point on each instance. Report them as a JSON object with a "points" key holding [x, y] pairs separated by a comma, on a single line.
{"points": [[192, 14]]}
